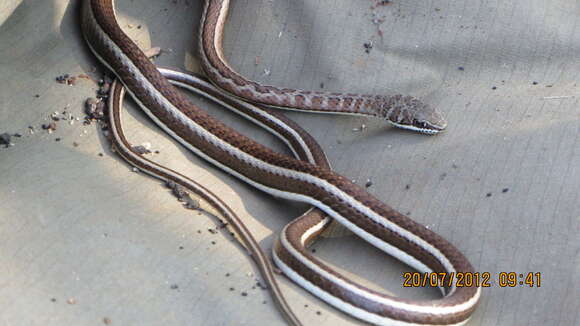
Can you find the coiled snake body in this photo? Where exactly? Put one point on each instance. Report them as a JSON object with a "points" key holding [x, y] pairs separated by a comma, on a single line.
{"points": [[306, 179]]}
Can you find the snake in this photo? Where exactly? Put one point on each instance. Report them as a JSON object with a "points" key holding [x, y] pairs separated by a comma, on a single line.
{"points": [[335, 196], [301, 143], [404, 112]]}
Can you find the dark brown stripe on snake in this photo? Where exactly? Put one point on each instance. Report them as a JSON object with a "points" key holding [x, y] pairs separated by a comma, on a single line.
{"points": [[353, 298], [316, 150], [293, 233]]}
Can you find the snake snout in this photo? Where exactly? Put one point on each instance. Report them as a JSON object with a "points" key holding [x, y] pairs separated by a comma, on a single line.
{"points": [[412, 114]]}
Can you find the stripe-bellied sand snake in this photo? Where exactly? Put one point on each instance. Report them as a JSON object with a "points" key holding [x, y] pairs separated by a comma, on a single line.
{"points": [[308, 178]]}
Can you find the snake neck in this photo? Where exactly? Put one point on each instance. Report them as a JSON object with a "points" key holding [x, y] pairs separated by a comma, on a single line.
{"points": [[397, 109]]}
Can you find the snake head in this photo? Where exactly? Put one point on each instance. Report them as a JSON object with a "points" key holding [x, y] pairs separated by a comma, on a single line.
{"points": [[407, 112]]}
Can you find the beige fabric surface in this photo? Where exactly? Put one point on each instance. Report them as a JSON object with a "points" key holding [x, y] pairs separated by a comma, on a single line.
{"points": [[86, 241]]}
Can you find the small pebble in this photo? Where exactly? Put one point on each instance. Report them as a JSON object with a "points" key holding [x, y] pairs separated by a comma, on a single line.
{"points": [[49, 126], [99, 111], [141, 149], [90, 106], [368, 184], [177, 190], [5, 139], [368, 46], [62, 79], [104, 89]]}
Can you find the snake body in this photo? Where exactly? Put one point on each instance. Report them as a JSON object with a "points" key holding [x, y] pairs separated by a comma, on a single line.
{"points": [[402, 111], [294, 179], [298, 140]]}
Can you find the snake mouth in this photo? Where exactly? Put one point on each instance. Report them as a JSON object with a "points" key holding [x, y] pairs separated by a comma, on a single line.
{"points": [[422, 127]]}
